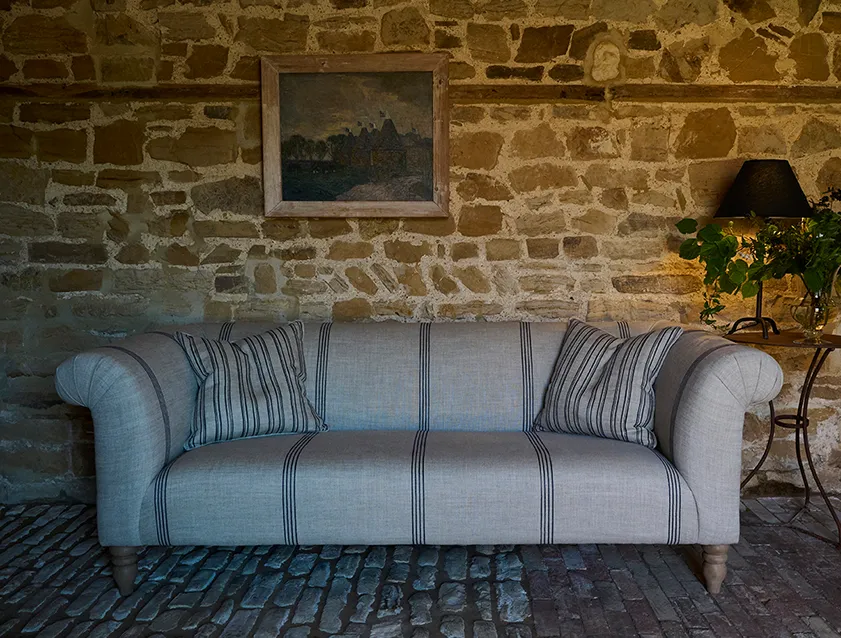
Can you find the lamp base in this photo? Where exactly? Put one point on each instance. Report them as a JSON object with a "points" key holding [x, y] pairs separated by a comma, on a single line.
{"points": [[765, 323]]}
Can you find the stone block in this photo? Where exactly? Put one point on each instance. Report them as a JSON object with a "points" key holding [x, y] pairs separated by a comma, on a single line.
{"points": [[83, 68], [206, 61], [816, 136], [464, 250], [406, 252], [706, 134], [435, 227], [75, 280], [476, 150], [541, 223], [462, 9], [591, 142], [543, 248], [344, 42], [500, 72], [342, 250], [22, 184], [24, 463], [544, 44], [49, 113], [746, 59], [502, 249], [37, 34], [478, 186], [658, 284], [56, 252], [212, 228], [241, 195], [537, 142], [503, 9], [810, 54], [44, 70], [15, 142], [61, 145], [196, 146], [566, 73], [360, 280], [274, 35], [352, 309], [479, 220], [16, 220], [488, 42], [473, 279], [326, 228], [120, 142], [127, 69], [542, 177], [185, 25], [649, 143], [581, 247], [119, 31]]}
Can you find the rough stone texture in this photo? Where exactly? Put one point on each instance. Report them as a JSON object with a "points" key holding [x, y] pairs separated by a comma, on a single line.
{"points": [[566, 195], [55, 581]]}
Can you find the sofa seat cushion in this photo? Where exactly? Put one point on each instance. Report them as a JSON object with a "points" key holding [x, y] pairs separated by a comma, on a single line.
{"points": [[397, 487]]}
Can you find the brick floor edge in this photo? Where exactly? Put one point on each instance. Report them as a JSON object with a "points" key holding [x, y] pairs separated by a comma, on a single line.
{"points": [[55, 581]]}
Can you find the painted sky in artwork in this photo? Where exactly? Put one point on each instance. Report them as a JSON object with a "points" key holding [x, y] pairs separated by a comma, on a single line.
{"points": [[317, 105]]}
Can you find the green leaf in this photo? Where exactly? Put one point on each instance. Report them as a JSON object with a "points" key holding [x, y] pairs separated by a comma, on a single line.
{"points": [[690, 249], [710, 232], [737, 271], [750, 289], [687, 225], [813, 279]]}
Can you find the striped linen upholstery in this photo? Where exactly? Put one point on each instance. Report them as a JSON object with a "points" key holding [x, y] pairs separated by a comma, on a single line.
{"points": [[474, 487], [250, 387], [703, 390], [417, 483], [604, 386]]}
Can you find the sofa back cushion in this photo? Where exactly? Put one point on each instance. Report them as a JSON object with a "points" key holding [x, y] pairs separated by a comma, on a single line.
{"points": [[461, 376]]}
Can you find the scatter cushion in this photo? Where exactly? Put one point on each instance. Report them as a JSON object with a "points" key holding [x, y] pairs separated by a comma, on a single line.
{"points": [[251, 387], [604, 386]]}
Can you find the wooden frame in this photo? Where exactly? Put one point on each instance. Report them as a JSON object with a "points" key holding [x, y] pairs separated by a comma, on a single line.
{"points": [[271, 69]]}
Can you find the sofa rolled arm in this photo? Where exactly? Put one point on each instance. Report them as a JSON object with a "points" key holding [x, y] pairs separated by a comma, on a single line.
{"points": [[141, 394], [706, 385]]}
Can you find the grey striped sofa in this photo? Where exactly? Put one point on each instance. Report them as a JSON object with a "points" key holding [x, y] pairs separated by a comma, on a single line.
{"points": [[430, 442]]}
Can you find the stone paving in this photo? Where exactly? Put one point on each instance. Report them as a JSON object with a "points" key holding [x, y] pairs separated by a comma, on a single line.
{"points": [[55, 582]]}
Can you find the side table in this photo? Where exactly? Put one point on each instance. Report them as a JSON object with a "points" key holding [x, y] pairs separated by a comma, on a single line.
{"points": [[798, 422]]}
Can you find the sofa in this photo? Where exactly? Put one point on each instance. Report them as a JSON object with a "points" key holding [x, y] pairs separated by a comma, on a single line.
{"points": [[430, 441]]}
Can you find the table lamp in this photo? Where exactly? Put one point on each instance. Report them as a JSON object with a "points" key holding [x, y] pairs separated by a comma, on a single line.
{"points": [[768, 189]]}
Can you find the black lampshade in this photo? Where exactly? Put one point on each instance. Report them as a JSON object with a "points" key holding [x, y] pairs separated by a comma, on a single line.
{"points": [[769, 188]]}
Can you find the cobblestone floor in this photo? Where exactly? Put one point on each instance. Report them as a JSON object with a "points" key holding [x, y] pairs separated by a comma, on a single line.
{"points": [[55, 581]]}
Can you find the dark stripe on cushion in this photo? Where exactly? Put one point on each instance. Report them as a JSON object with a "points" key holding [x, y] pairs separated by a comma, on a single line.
{"points": [[683, 383], [225, 331], [547, 489], [423, 377], [321, 370], [161, 516], [673, 486], [624, 329], [158, 392], [419, 488], [289, 496], [527, 365]]}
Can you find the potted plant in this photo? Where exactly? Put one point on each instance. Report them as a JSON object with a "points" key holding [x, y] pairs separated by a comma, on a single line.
{"points": [[738, 264]]}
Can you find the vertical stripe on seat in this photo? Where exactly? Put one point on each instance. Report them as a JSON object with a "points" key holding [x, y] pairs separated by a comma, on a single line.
{"points": [[321, 370], [624, 329], [527, 366], [289, 495], [547, 488], [673, 487], [161, 513], [419, 446]]}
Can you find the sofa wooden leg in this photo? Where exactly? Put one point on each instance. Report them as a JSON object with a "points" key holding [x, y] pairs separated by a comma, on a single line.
{"points": [[124, 564], [715, 566]]}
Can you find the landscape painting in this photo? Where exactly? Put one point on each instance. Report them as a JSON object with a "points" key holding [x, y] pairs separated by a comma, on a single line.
{"points": [[355, 135]]}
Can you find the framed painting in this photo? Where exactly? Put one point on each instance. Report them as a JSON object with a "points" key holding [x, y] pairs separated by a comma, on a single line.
{"points": [[356, 135]]}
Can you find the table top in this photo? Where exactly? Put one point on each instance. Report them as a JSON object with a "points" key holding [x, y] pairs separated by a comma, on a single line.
{"points": [[786, 339]]}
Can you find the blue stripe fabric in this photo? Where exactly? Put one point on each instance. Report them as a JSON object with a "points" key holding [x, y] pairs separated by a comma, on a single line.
{"points": [[419, 446], [255, 386], [604, 386]]}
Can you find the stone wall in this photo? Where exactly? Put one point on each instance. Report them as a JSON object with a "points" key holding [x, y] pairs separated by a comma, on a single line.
{"points": [[133, 196]]}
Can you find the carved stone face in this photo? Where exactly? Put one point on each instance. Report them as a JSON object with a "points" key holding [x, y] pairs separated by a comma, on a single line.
{"points": [[606, 61]]}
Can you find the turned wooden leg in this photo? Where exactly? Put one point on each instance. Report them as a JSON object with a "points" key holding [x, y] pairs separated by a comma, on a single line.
{"points": [[124, 564], [715, 566]]}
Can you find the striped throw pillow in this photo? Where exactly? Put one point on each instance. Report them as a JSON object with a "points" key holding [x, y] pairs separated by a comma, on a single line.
{"points": [[604, 386], [251, 387]]}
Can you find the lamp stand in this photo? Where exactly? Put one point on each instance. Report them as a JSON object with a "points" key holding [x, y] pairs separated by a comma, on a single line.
{"points": [[757, 320]]}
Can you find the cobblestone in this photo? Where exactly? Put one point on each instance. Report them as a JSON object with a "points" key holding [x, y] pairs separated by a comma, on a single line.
{"points": [[781, 583]]}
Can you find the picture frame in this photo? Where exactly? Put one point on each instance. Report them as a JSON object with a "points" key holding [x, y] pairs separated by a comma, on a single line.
{"points": [[393, 161]]}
